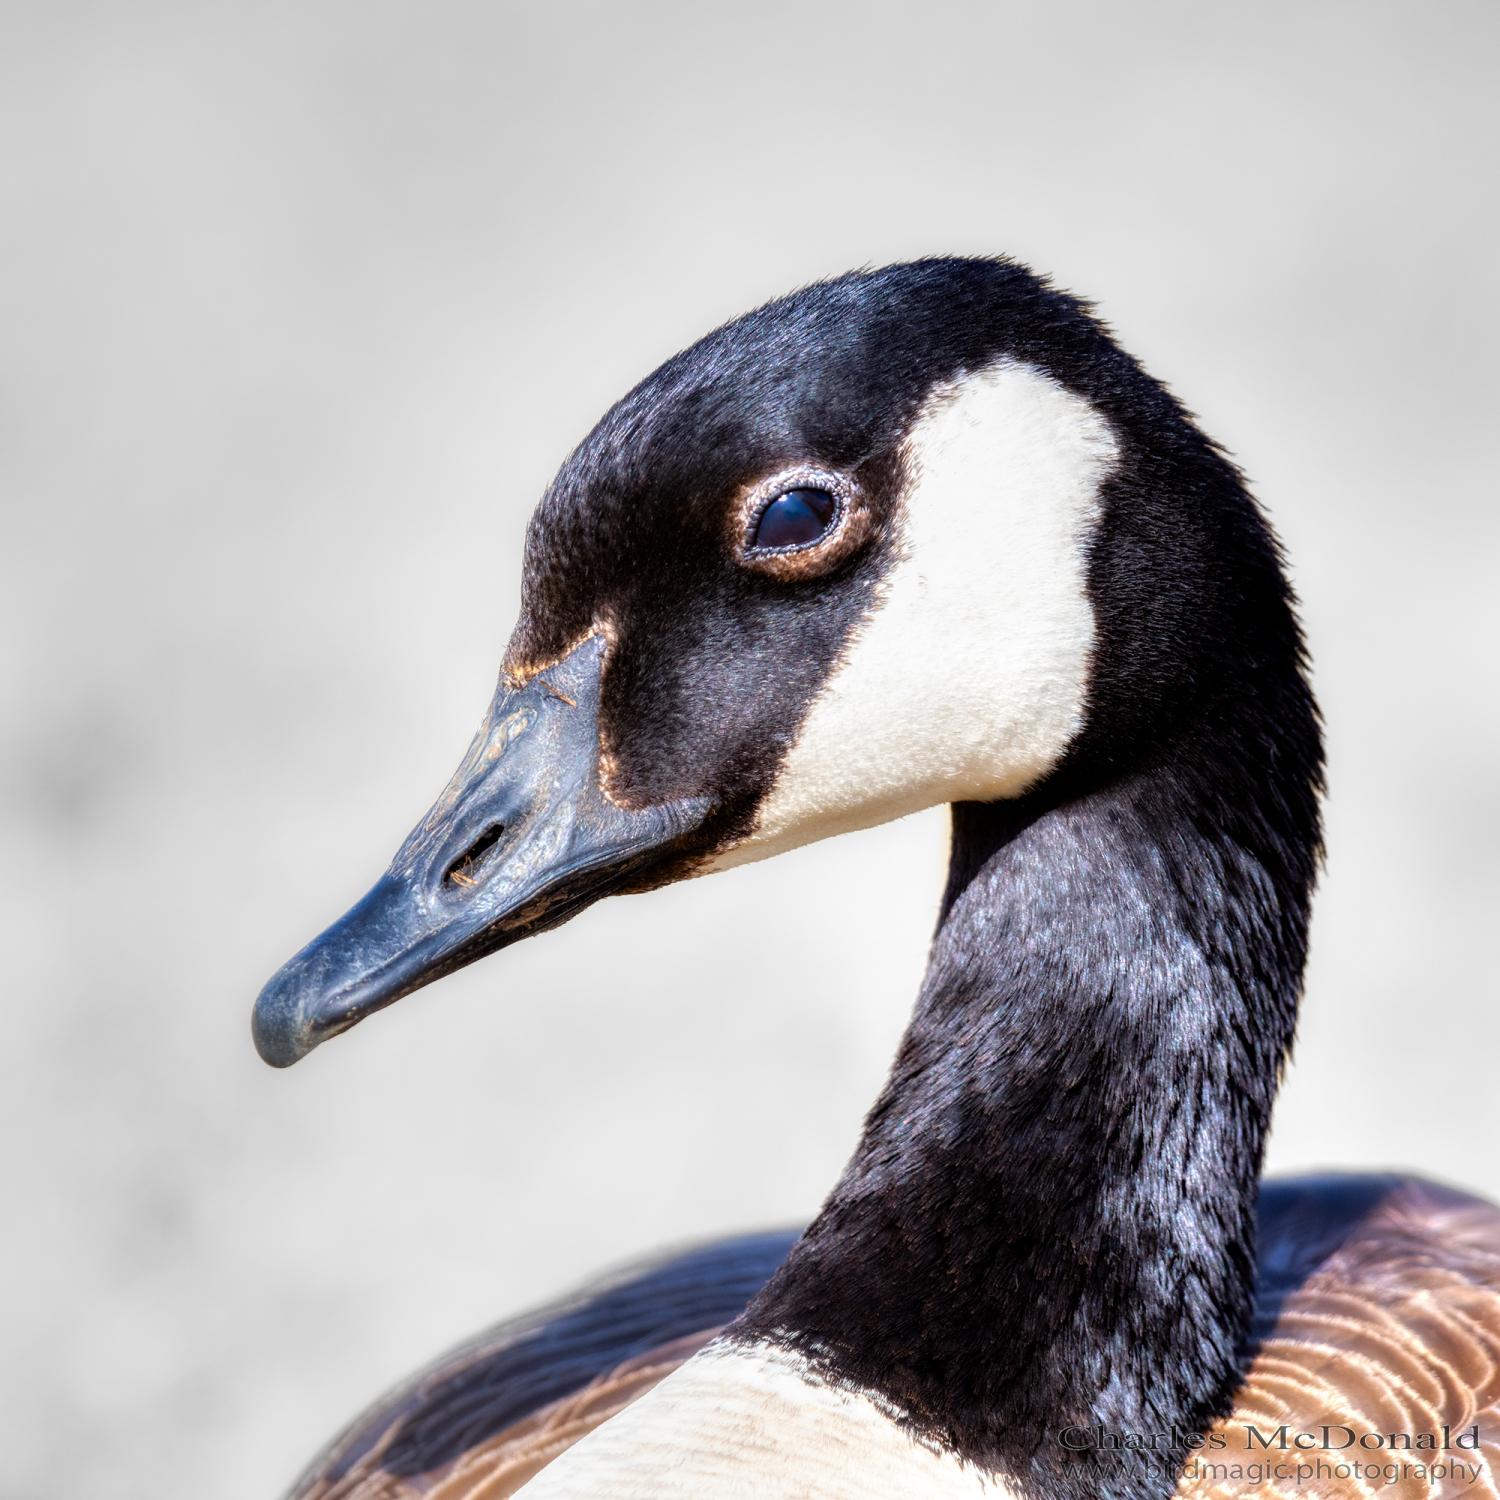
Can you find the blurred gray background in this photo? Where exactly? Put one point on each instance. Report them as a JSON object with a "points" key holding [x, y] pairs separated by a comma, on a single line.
{"points": [[302, 304]]}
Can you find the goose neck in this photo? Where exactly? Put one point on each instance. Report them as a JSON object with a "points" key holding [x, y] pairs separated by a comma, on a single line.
{"points": [[1050, 1218]]}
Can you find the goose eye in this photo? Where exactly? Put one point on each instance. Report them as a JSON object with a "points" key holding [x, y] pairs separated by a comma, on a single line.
{"points": [[795, 519]]}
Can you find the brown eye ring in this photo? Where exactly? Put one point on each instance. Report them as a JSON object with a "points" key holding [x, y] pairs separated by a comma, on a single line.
{"points": [[819, 517]]}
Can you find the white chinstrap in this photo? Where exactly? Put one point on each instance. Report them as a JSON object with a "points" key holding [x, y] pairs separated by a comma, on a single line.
{"points": [[967, 680]]}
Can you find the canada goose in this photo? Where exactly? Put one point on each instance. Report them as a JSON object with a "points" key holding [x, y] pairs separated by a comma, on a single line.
{"points": [[923, 535]]}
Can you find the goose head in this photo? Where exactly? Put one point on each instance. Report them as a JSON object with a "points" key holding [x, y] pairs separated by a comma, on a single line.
{"points": [[906, 537]]}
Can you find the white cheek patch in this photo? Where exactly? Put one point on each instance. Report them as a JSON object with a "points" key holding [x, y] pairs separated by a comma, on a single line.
{"points": [[966, 681], [755, 1424]]}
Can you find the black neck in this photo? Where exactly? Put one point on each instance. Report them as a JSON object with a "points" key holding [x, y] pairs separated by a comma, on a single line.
{"points": [[1050, 1219]]}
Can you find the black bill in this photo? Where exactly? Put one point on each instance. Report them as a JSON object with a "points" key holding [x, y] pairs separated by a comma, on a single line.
{"points": [[522, 839]]}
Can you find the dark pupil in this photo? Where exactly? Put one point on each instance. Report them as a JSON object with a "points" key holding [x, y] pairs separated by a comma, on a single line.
{"points": [[796, 518]]}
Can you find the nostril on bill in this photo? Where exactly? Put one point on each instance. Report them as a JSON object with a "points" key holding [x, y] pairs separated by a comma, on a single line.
{"points": [[461, 871]]}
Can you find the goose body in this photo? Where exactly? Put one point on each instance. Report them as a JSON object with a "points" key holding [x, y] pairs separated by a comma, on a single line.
{"points": [[914, 536]]}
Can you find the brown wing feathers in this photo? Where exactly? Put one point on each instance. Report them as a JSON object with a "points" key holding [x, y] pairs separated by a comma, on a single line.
{"points": [[498, 1466], [1393, 1334], [1378, 1315], [522, 1392]]}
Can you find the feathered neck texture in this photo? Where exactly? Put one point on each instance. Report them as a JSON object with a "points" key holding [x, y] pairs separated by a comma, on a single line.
{"points": [[1050, 1218]]}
